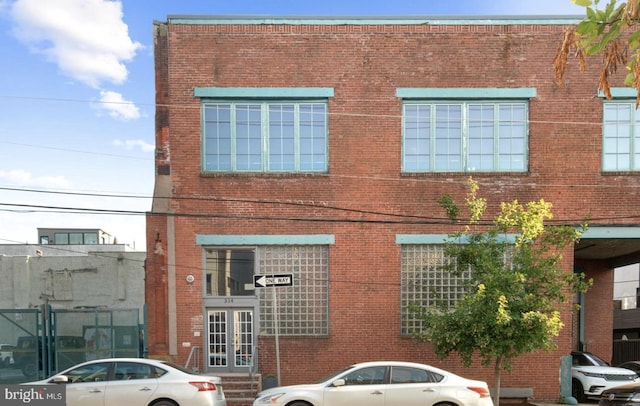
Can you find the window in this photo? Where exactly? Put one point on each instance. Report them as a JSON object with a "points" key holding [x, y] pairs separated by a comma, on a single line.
{"points": [[61, 238], [89, 373], [303, 309], [621, 137], [282, 136], [465, 136], [366, 376], [425, 281], [465, 129], [229, 271], [73, 238], [90, 238], [413, 375], [133, 370]]}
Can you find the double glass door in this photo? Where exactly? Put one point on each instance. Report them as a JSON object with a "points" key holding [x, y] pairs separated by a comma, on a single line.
{"points": [[230, 345]]}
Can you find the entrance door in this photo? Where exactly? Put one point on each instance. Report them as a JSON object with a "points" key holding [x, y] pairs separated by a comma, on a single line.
{"points": [[230, 340]]}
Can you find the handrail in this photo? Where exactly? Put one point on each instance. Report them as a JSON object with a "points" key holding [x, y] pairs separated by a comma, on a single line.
{"points": [[252, 366], [195, 350]]}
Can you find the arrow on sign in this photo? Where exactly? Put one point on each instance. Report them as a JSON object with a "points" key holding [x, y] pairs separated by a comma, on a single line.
{"points": [[263, 281]]}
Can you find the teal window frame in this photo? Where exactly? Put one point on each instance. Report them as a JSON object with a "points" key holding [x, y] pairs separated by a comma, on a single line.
{"points": [[264, 130], [620, 136], [465, 130]]}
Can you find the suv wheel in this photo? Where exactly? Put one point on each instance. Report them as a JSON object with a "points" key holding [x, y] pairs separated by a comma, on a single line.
{"points": [[577, 391], [29, 370]]}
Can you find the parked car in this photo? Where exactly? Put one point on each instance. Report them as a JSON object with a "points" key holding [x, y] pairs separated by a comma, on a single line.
{"points": [[625, 395], [632, 365], [70, 350], [6, 355], [385, 383], [136, 382], [591, 375], [26, 355]]}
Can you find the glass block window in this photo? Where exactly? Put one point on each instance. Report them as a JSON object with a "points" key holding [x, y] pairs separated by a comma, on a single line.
{"points": [[465, 136], [424, 281], [621, 137], [265, 136], [302, 309]]}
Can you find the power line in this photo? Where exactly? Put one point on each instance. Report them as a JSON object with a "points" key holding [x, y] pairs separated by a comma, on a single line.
{"points": [[75, 150], [329, 113]]}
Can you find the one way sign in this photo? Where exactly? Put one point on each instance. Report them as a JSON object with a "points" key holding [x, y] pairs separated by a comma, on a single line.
{"points": [[263, 281]]}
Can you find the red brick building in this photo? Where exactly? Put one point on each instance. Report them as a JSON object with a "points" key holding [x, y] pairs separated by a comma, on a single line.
{"points": [[317, 148]]}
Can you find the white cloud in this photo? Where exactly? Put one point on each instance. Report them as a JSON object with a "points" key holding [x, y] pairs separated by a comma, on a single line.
{"points": [[87, 39], [23, 178], [117, 107], [132, 144]]}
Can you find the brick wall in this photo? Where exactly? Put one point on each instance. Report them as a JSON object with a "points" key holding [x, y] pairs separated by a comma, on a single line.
{"points": [[365, 64]]}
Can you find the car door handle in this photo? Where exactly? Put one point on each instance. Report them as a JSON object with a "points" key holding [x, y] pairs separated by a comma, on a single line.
{"points": [[95, 391], [145, 389], [429, 390], [376, 392]]}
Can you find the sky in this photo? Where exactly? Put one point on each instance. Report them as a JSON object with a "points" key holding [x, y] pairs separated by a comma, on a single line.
{"points": [[77, 100]]}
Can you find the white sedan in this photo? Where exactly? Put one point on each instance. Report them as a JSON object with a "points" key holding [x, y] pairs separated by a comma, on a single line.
{"points": [[382, 384], [136, 382]]}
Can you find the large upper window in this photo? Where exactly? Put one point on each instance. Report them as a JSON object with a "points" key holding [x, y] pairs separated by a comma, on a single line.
{"points": [[465, 130], [465, 137], [257, 130], [265, 136], [621, 137]]}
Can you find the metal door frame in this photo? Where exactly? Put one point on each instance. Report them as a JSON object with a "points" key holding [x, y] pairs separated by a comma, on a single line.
{"points": [[240, 362]]}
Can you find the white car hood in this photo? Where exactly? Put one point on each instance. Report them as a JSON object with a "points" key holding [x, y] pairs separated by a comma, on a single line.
{"points": [[604, 370]]}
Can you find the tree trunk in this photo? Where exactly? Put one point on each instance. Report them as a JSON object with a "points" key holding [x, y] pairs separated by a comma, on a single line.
{"points": [[496, 375]]}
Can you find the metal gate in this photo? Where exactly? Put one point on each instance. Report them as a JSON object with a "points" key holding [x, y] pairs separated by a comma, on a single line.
{"points": [[37, 343], [625, 350]]}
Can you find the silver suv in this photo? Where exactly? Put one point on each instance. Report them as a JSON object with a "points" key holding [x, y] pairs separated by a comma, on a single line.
{"points": [[6, 355], [591, 375]]}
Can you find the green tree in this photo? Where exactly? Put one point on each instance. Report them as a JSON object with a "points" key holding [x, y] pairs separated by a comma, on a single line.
{"points": [[517, 285], [610, 30]]}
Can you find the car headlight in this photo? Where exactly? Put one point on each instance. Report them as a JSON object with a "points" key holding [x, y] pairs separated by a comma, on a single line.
{"points": [[270, 399]]}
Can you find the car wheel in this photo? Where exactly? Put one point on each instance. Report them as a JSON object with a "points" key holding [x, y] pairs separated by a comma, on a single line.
{"points": [[299, 403], [164, 402], [29, 370], [577, 391]]}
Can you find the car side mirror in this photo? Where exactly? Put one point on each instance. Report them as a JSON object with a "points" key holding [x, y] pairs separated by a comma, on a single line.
{"points": [[60, 379], [338, 382]]}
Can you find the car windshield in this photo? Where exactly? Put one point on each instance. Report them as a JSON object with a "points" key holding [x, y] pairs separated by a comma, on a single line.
{"points": [[597, 361], [333, 375]]}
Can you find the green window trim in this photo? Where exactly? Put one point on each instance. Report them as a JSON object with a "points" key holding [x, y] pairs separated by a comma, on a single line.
{"points": [[620, 134], [265, 136], [237, 240], [465, 136], [264, 130], [465, 130], [435, 239], [620, 92], [263, 92], [464, 93]]}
